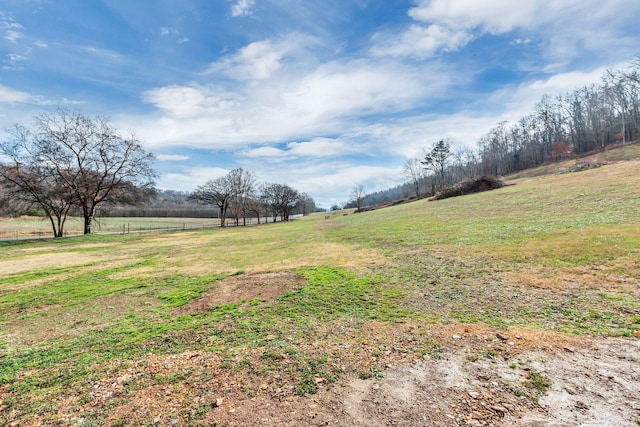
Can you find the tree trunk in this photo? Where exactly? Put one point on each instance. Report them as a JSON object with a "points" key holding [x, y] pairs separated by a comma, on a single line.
{"points": [[60, 226], [88, 219], [57, 232]]}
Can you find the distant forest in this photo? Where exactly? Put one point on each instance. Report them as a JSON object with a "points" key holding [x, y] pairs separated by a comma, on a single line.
{"points": [[585, 120]]}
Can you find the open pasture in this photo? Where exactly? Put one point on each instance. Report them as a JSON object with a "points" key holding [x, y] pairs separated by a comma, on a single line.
{"points": [[204, 326]]}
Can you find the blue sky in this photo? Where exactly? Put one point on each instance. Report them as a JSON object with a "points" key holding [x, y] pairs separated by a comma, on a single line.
{"points": [[320, 94]]}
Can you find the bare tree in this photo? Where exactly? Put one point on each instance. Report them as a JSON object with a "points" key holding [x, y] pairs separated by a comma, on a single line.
{"points": [[307, 204], [23, 188], [243, 185], [357, 196], [256, 205], [218, 192], [414, 170], [83, 160]]}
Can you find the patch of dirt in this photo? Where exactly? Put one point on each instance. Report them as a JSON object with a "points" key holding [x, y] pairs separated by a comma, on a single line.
{"points": [[595, 278], [264, 287], [596, 385], [475, 376]]}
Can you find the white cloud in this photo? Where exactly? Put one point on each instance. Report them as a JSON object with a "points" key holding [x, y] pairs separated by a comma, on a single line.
{"points": [[495, 16], [168, 31], [316, 148], [420, 41], [12, 36], [8, 23], [340, 89], [321, 147], [260, 60], [14, 61], [14, 57], [280, 94], [173, 34], [242, 8], [189, 102], [10, 96], [448, 25], [172, 157], [270, 153], [40, 44], [189, 179], [104, 54], [565, 28]]}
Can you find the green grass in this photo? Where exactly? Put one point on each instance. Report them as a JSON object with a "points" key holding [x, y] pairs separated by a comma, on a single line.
{"points": [[556, 252]]}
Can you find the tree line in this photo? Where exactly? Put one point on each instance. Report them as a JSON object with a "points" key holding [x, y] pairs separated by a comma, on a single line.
{"points": [[70, 164], [584, 120], [587, 119], [238, 195]]}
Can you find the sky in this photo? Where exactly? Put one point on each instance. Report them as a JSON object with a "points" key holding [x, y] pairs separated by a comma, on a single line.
{"points": [[322, 95]]}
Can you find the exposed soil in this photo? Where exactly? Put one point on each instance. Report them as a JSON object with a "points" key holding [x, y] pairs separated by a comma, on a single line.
{"points": [[479, 377], [366, 374], [245, 288]]}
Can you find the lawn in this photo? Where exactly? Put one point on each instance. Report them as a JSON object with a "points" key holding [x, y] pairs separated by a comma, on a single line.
{"points": [[558, 253]]}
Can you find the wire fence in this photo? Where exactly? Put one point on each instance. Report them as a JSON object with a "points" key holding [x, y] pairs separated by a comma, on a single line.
{"points": [[34, 229]]}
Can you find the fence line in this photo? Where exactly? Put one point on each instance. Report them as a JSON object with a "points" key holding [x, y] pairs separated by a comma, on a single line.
{"points": [[126, 228]]}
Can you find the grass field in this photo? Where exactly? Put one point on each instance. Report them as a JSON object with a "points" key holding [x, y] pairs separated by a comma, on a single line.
{"points": [[557, 253]]}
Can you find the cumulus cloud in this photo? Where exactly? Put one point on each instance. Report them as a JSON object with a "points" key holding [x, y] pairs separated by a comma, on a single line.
{"points": [[495, 16], [278, 91], [448, 25], [242, 8], [262, 59], [565, 27]]}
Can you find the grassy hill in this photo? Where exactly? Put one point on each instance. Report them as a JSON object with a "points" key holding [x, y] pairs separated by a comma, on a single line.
{"points": [[293, 306]]}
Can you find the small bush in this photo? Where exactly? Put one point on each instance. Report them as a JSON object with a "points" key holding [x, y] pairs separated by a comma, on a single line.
{"points": [[469, 186]]}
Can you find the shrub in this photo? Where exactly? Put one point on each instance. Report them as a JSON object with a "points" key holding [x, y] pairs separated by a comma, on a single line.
{"points": [[469, 186]]}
